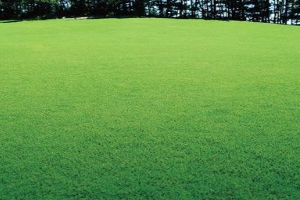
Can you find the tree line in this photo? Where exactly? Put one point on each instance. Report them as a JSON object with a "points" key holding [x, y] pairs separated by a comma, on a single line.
{"points": [[269, 11]]}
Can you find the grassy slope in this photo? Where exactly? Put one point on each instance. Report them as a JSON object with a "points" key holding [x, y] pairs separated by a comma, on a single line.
{"points": [[149, 109]]}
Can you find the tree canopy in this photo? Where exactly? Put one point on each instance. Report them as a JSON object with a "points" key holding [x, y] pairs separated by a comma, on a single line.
{"points": [[270, 11]]}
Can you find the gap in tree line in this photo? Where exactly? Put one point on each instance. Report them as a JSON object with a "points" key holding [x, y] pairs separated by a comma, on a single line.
{"points": [[268, 11]]}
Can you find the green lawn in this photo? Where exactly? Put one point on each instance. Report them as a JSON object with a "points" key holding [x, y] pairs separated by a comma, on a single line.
{"points": [[149, 109]]}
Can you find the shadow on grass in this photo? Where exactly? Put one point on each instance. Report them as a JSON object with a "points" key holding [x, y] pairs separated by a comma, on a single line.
{"points": [[10, 21], [67, 18]]}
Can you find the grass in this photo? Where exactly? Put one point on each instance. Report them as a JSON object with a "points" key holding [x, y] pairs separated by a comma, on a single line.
{"points": [[149, 109]]}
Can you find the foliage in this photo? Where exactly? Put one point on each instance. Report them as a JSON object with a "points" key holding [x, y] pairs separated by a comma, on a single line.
{"points": [[275, 11]]}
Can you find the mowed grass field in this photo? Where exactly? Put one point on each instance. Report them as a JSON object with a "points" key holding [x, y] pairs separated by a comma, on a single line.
{"points": [[149, 109]]}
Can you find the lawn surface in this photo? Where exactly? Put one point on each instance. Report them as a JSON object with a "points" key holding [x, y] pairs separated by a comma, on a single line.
{"points": [[149, 109]]}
